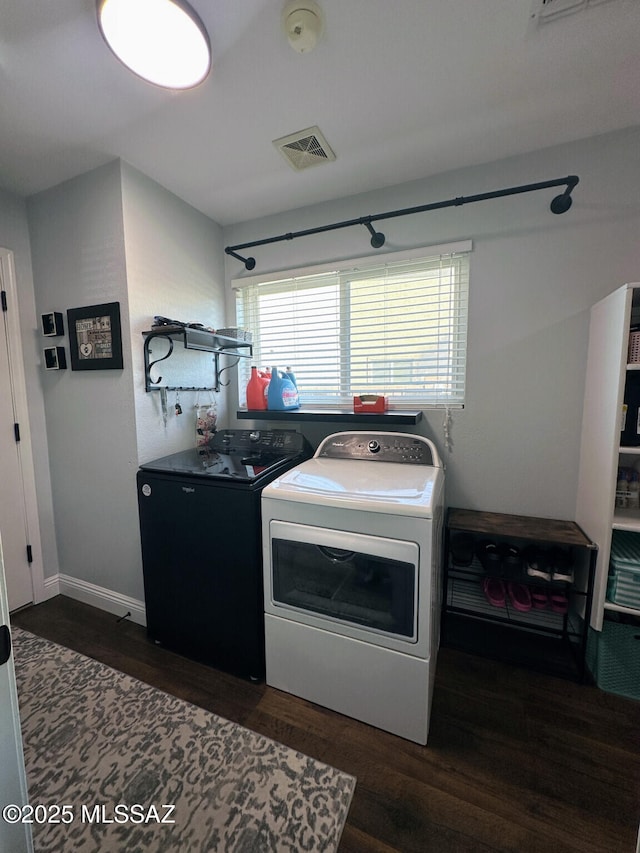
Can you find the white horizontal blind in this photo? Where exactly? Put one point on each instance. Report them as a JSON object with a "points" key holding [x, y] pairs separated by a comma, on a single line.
{"points": [[398, 328]]}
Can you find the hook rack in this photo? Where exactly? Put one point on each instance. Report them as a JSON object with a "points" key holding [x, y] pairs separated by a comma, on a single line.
{"points": [[191, 339], [560, 204]]}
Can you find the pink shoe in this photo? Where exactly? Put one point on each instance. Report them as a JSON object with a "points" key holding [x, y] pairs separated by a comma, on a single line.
{"points": [[539, 598], [520, 596], [494, 591], [559, 602]]}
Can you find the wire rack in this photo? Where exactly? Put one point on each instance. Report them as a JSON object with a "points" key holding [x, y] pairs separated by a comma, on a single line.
{"points": [[465, 595]]}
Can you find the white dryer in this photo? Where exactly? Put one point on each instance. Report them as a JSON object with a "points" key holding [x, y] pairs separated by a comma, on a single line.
{"points": [[352, 556]]}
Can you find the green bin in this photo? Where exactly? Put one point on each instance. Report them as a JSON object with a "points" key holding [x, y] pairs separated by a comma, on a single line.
{"points": [[613, 656], [623, 586]]}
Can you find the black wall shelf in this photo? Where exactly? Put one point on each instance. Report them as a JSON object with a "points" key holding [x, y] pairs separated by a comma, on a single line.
{"points": [[191, 338], [331, 415]]}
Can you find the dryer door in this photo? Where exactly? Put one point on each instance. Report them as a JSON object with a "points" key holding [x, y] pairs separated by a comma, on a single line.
{"points": [[362, 586]]}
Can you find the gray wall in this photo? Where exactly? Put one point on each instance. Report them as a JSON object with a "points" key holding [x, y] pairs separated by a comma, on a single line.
{"points": [[534, 276], [113, 235], [175, 268], [78, 260]]}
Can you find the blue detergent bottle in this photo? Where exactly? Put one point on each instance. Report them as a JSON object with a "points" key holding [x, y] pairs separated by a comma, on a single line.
{"points": [[282, 394], [289, 374]]}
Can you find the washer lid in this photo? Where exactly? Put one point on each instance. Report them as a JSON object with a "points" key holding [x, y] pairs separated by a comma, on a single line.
{"points": [[349, 483]]}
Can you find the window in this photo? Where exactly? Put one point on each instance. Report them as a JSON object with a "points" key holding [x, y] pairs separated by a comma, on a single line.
{"points": [[398, 327]]}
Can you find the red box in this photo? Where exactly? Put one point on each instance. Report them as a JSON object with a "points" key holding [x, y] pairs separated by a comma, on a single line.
{"points": [[370, 404]]}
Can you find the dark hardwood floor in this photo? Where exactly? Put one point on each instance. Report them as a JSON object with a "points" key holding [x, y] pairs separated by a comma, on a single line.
{"points": [[516, 760]]}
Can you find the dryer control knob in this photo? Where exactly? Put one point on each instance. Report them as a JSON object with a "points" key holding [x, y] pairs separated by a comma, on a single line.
{"points": [[373, 446]]}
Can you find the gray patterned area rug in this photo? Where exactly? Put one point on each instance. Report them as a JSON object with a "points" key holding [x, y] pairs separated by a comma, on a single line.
{"points": [[142, 771]]}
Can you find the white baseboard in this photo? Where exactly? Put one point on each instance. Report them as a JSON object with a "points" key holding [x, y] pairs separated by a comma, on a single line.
{"points": [[51, 589], [97, 596]]}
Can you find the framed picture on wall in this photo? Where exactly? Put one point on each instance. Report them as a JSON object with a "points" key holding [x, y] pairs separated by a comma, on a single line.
{"points": [[95, 337]]}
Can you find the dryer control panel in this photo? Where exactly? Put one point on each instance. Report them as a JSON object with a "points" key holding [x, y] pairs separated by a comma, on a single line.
{"points": [[380, 447]]}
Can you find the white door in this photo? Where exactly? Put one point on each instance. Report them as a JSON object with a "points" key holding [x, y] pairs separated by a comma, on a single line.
{"points": [[14, 835], [18, 517]]}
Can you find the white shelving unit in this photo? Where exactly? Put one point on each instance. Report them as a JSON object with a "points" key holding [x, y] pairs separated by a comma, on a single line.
{"points": [[601, 453]]}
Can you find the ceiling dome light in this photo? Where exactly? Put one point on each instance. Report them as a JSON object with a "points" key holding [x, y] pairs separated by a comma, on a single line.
{"points": [[162, 41]]}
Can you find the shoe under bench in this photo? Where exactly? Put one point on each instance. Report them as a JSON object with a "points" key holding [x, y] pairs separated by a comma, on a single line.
{"points": [[540, 639]]}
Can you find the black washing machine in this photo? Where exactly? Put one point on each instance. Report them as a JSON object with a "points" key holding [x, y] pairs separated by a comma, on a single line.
{"points": [[201, 545]]}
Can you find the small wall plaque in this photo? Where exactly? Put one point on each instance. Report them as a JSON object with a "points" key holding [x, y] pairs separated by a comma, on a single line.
{"points": [[55, 358], [52, 324]]}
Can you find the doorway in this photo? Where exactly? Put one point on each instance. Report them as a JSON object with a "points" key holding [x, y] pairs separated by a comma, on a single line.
{"points": [[19, 525]]}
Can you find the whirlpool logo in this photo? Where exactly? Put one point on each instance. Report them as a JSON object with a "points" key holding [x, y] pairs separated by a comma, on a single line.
{"points": [[188, 490]]}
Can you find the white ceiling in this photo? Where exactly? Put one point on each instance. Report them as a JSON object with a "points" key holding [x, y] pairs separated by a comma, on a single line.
{"points": [[401, 89]]}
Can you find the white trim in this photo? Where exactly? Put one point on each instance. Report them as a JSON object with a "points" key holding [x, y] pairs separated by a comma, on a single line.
{"points": [[98, 596], [349, 263], [19, 391], [51, 587]]}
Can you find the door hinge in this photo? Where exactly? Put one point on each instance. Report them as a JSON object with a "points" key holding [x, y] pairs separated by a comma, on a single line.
{"points": [[3, 296], [29, 555], [16, 432]]}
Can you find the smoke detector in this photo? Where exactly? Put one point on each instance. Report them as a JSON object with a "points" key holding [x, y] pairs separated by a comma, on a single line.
{"points": [[305, 148], [303, 24]]}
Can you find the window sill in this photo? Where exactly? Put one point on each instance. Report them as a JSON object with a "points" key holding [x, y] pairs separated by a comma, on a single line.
{"points": [[325, 415]]}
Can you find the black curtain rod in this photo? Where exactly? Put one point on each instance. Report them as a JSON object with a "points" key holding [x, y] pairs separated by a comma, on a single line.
{"points": [[560, 204]]}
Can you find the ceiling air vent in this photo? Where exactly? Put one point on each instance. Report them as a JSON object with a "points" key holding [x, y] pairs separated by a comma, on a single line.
{"points": [[305, 148]]}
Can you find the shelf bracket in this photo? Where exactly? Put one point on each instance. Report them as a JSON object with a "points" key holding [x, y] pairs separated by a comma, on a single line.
{"points": [[148, 381]]}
